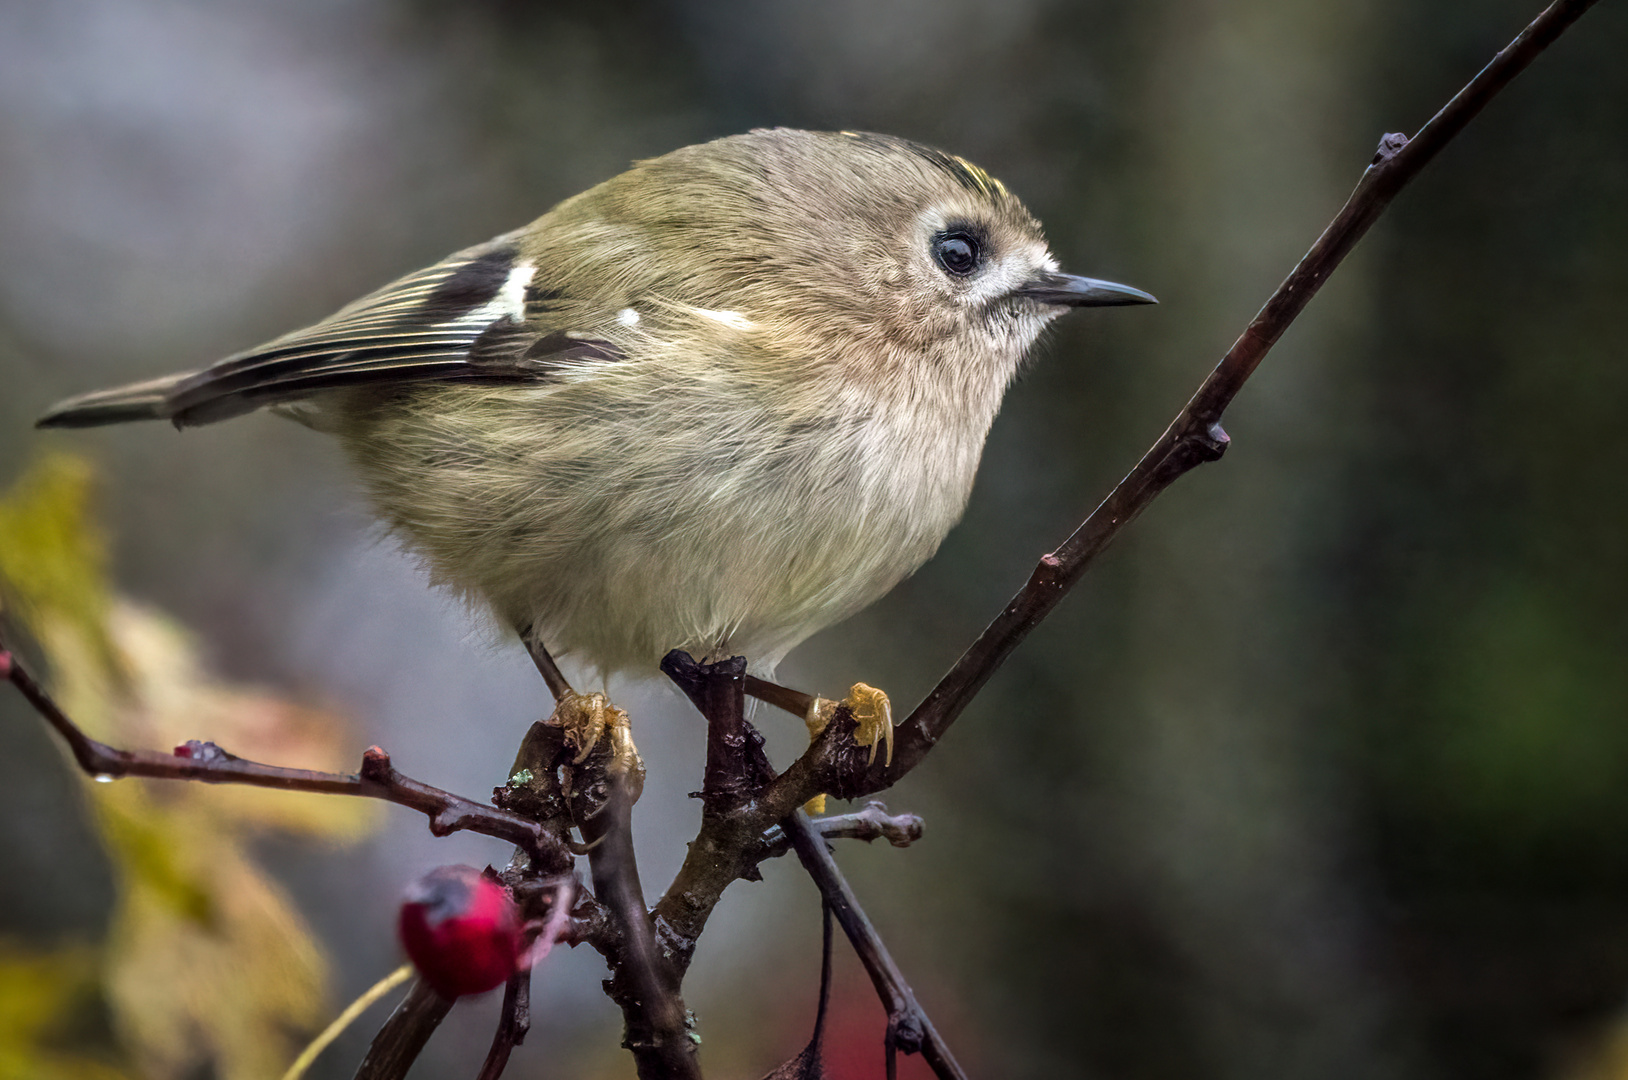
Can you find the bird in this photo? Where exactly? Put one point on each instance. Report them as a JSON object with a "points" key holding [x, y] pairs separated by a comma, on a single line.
{"points": [[716, 403]]}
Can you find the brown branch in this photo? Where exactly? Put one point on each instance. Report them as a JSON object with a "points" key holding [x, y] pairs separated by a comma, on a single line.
{"points": [[726, 849], [552, 783], [404, 1035], [731, 842], [1194, 437], [643, 983], [731, 846], [206, 762], [737, 767], [909, 1029], [511, 1027]]}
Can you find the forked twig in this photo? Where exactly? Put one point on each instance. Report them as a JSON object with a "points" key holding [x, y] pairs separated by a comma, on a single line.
{"points": [[909, 1029]]}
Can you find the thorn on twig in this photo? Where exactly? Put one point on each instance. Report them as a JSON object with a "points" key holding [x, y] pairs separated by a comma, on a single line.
{"points": [[905, 1030]]}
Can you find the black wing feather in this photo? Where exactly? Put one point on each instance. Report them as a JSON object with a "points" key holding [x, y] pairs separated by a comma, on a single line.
{"points": [[432, 325]]}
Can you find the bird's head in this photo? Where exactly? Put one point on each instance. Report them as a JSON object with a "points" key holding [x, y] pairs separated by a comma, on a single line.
{"points": [[870, 255]]}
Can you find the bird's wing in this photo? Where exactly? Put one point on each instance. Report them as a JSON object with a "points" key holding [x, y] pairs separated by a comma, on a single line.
{"points": [[478, 315]]}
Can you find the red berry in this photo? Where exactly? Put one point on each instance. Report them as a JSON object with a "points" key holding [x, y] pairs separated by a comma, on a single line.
{"points": [[461, 930]]}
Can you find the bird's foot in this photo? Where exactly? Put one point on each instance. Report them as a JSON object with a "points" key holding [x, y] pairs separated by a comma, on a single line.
{"points": [[873, 717], [588, 718]]}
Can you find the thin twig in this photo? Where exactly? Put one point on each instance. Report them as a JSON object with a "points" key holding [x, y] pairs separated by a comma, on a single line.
{"points": [[737, 769], [511, 1027], [807, 1064], [909, 1029], [206, 762], [873, 822], [1194, 437], [404, 1035]]}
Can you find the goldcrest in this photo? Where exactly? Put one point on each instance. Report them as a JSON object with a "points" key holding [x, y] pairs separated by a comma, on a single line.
{"points": [[715, 403]]}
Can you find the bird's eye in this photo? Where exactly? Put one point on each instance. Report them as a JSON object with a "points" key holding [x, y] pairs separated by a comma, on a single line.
{"points": [[956, 252]]}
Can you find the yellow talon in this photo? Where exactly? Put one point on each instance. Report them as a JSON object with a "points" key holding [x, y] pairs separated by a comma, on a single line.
{"points": [[587, 718], [872, 712]]}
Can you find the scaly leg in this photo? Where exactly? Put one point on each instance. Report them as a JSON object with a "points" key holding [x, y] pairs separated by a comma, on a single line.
{"points": [[587, 717]]}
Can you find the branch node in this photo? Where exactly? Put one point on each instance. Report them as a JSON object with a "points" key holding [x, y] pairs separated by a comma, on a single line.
{"points": [[1390, 144], [204, 752], [906, 1031], [376, 765]]}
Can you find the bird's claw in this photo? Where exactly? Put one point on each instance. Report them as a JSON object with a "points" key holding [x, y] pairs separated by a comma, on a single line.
{"points": [[873, 718], [586, 718]]}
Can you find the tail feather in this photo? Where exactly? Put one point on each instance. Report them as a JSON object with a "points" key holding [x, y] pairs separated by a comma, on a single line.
{"points": [[139, 401]]}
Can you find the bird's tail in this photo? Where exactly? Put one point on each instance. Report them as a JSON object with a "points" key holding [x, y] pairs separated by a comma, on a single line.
{"points": [[148, 400]]}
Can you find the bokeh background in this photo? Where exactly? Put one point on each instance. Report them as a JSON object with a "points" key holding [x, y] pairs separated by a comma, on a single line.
{"points": [[1322, 773]]}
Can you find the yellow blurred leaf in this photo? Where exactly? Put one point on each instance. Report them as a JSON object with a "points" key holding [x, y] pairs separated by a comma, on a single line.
{"points": [[42, 994], [228, 990], [53, 558]]}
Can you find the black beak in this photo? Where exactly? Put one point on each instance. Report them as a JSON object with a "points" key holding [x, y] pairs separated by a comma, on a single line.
{"points": [[1069, 291]]}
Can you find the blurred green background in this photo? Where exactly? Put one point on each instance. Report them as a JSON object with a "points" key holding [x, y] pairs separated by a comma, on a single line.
{"points": [[1322, 773]]}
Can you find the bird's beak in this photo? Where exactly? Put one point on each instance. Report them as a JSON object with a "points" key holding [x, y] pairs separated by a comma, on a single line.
{"points": [[1070, 291]]}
